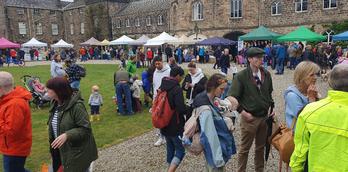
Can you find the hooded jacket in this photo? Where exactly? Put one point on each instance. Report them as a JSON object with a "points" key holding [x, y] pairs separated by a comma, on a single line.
{"points": [[322, 135], [57, 70], [198, 80], [294, 102], [80, 149], [158, 75], [137, 84], [217, 141], [176, 101], [15, 123], [131, 68]]}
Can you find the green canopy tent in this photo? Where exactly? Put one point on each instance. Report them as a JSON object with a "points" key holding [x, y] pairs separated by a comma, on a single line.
{"points": [[261, 33], [301, 34]]}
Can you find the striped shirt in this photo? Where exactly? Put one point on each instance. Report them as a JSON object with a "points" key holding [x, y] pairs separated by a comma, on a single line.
{"points": [[55, 123]]}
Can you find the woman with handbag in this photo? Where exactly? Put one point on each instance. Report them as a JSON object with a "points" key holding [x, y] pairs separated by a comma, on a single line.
{"points": [[303, 92], [215, 138]]}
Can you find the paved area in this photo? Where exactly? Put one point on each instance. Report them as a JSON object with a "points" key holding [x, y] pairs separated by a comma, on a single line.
{"points": [[139, 155]]}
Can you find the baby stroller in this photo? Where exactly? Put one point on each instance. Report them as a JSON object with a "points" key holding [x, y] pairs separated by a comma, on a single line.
{"points": [[38, 98]]}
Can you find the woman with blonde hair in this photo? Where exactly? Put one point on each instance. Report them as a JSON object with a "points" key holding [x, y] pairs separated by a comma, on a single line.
{"points": [[303, 91]]}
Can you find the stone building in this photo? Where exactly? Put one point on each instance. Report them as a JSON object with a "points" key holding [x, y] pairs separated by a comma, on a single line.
{"points": [[3, 32], [138, 17]]}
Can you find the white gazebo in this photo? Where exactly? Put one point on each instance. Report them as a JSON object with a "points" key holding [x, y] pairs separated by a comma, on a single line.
{"points": [[163, 38], [123, 40], [140, 41], [34, 43], [62, 44]]}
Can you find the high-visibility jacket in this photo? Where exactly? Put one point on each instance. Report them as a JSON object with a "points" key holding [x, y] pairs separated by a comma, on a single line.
{"points": [[321, 135]]}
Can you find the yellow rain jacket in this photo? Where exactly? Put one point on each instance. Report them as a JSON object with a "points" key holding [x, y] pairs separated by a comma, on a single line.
{"points": [[322, 135]]}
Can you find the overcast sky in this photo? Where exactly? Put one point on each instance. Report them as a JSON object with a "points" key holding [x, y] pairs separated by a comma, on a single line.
{"points": [[68, 0]]}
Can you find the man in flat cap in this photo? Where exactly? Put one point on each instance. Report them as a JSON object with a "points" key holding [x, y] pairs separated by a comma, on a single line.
{"points": [[252, 87]]}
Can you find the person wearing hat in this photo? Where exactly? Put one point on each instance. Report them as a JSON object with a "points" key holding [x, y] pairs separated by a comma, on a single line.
{"points": [[252, 87]]}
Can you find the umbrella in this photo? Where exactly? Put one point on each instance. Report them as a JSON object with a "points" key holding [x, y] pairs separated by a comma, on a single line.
{"points": [[4, 43], [261, 33], [341, 37], [34, 43], [301, 34], [216, 41]]}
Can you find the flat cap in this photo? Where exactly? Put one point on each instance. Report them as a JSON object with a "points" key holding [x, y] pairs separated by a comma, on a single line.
{"points": [[254, 51]]}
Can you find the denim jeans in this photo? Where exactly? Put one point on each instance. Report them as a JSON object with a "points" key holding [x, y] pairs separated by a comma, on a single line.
{"points": [[224, 70], [175, 150], [293, 62], [280, 66], [75, 85], [123, 89], [14, 163]]}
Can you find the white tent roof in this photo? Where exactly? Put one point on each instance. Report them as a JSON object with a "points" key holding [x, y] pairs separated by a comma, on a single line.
{"points": [[184, 40], [34, 43], [140, 41], [162, 38], [123, 40], [62, 44]]}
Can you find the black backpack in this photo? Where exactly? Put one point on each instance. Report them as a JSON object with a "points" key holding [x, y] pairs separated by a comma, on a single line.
{"points": [[82, 71]]}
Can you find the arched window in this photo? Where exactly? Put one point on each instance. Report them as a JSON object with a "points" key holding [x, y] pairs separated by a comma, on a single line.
{"points": [[148, 21], [236, 8], [127, 23], [160, 20], [276, 8], [137, 22], [197, 11]]}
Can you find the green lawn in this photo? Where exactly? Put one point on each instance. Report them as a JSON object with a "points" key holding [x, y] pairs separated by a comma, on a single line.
{"points": [[112, 128]]}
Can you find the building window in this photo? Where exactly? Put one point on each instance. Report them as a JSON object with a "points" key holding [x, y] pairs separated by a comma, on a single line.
{"points": [[160, 20], [197, 11], [82, 28], [38, 29], [276, 8], [54, 29], [118, 24], [52, 12], [137, 22], [36, 11], [236, 8], [71, 29], [22, 28], [20, 11], [81, 11], [328, 4], [127, 23], [70, 13], [301, 5], [148, 21]]}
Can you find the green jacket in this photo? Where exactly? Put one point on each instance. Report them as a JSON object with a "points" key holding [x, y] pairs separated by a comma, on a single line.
{"points": [[244, 89], [131, 68], [80, 148], [322, 135]]}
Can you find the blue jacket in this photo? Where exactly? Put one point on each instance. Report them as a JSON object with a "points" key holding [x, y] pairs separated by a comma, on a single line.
{"points": [[201, 51], [217, 141], [146, 82], [294, 102], [281, 52]]}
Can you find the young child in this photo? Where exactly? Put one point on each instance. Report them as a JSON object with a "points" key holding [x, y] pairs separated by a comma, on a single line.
{"points": [[95, 101], [137, 84]]}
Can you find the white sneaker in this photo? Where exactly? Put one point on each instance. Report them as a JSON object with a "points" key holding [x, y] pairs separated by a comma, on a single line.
{"points": [[160, 142]]}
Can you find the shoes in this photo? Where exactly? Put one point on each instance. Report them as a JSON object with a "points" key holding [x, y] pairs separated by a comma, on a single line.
{"points": [[98, 117], [160, 142], [91, 118]]}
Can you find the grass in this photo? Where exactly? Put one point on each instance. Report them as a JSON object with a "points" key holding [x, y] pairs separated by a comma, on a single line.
{"points": [[112, 128]]}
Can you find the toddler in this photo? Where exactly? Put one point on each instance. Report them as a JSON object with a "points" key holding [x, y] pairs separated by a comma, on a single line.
{"points": [[95, 101]]}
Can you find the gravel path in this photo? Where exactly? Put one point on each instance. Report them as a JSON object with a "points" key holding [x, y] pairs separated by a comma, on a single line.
{"points": [[139, 154]]}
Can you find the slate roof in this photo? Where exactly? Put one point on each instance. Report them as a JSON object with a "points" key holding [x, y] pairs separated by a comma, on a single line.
{"points": [[143, 6], [40, 4], [75, 4]]}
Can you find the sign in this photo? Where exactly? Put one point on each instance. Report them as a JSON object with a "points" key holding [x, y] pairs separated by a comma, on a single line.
{"points": [[240, 45]]}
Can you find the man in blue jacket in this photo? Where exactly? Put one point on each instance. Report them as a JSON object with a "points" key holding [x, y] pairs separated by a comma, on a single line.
{"points": [[281, 54]]}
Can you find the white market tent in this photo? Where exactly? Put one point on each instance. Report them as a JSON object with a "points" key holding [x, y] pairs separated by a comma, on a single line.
{"points": [[184, 40], [62, 44], [34, 43], [123, 40], [163, 38], [140, 41]]}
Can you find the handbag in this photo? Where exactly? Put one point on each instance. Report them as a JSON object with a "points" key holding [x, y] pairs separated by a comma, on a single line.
{"points": [[283, 141]]}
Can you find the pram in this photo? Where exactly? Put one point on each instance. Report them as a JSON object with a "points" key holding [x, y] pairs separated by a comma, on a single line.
{"points": [[38, 98]]}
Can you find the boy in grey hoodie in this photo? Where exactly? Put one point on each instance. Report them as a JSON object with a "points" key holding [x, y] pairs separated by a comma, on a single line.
{"points": [[95, 101]]}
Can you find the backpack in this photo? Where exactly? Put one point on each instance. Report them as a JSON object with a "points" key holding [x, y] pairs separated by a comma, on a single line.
{"points": [[161, 111], [191, 132], [82, 71]]}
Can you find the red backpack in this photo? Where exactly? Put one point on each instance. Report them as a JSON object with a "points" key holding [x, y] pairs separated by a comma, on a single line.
{"points": [[161, 111]]}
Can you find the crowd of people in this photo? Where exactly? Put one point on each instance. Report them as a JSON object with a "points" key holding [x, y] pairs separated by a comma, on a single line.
{"points": [[249, 94]]}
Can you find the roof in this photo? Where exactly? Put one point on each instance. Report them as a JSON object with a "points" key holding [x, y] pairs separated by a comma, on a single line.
{"points": [[38, 4], [143, 6], [75, 4]]}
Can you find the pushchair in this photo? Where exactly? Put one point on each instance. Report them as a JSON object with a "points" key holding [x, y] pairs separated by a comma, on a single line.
{"points": [[38, 98]]}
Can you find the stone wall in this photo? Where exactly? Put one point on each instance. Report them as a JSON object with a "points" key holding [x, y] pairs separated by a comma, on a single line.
{"points": [[27, 16], [75, 17], [2, 20]]}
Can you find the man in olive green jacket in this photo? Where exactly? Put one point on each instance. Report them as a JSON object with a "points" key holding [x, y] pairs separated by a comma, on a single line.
{"points": [[252, 87], [80, 149]]}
